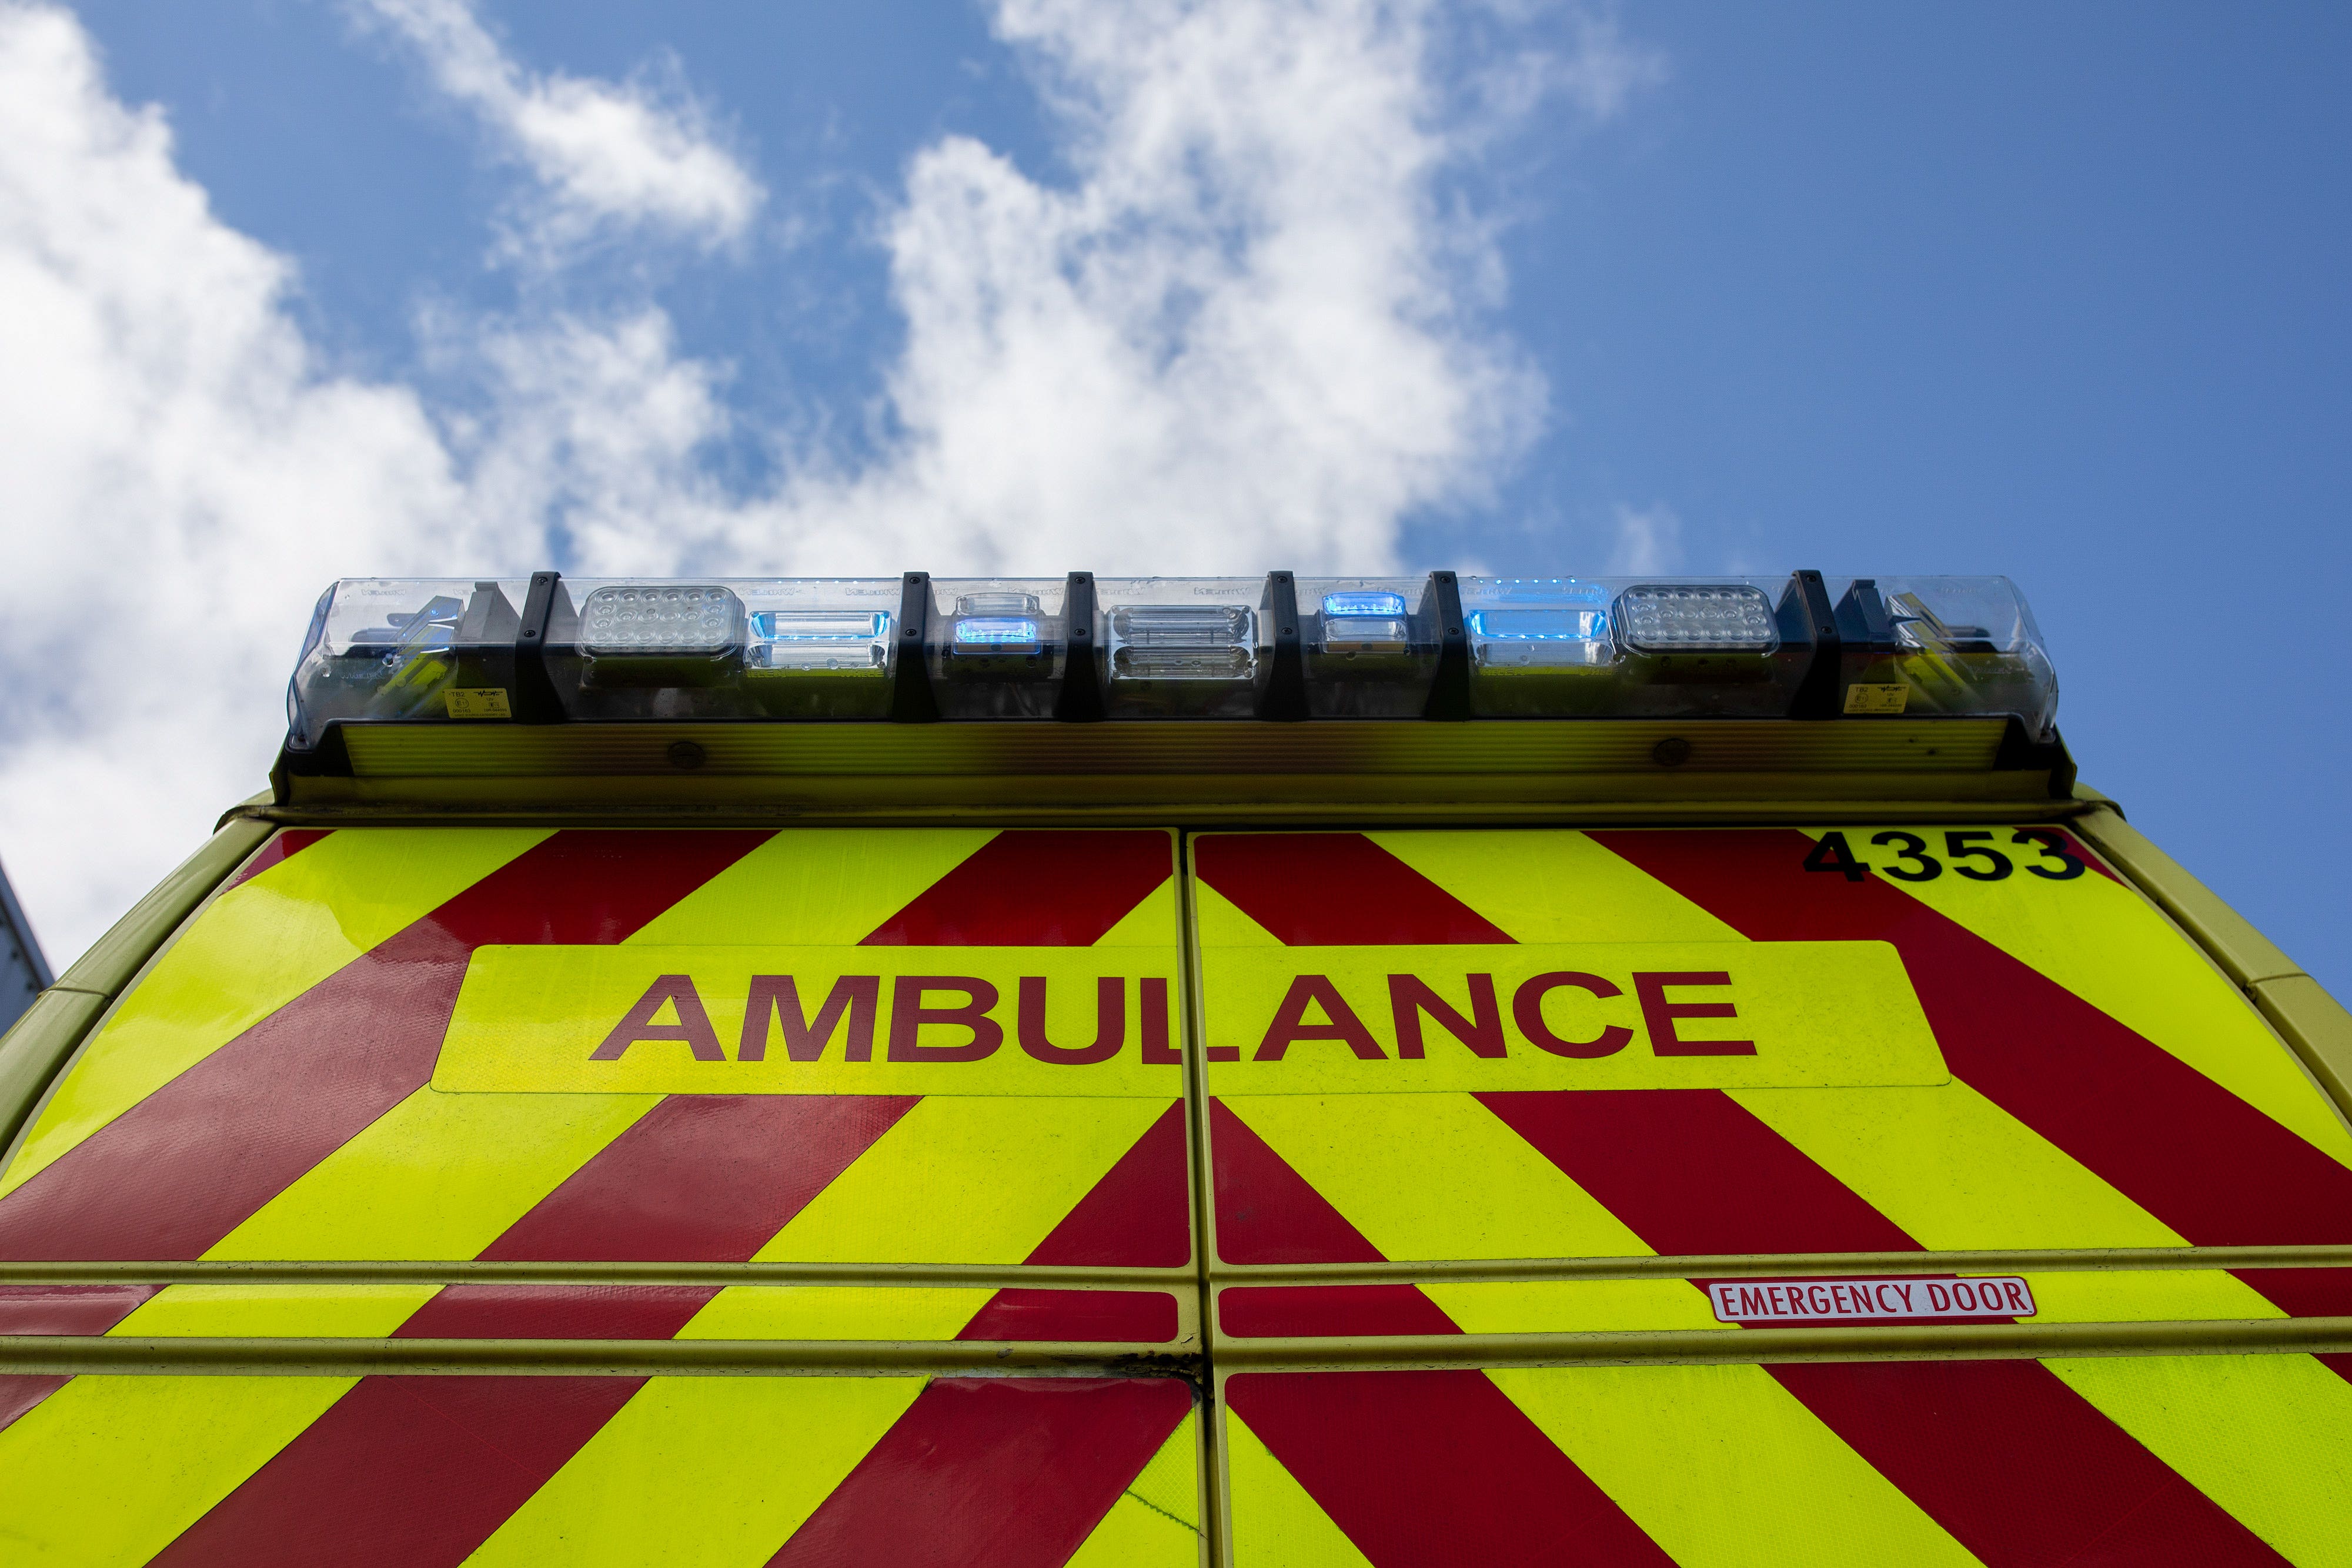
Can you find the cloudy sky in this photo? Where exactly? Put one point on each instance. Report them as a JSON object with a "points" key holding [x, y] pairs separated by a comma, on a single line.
{"points": [[297, 289]]}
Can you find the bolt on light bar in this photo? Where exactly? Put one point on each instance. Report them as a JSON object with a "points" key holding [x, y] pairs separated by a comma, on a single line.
{"points": [[549, 649]]}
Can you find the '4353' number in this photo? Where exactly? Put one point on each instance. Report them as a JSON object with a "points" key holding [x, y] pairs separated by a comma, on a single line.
{"points": [[1969, 850]]}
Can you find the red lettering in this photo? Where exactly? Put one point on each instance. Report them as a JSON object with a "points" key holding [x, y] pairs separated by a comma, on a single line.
{"points": [[693, 1025], [1752, 1303], [1778, 1310], [1964, 1294], [1817, 1299], [1878, 1293], [1905, 1291], [1410, 996], [1290, 1024], [1939, 1298], [2016, 1297], [908, 1014], [1527, 1010], [1838, 1300], [1157, 1052], [1110, 1023], [1660, 1014], [854, 997]]}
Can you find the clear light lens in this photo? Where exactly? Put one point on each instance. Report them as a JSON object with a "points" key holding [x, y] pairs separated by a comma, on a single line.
{"points": [[1917, 626], [785, 639], [1696, 618], [405, 633], [675, 618], [997, 603], [1182, 643], [1560, 625], [1363, 604], [995, 632]]}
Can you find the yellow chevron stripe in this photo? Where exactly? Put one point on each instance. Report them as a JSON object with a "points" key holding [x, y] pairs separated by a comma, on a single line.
{"points": [[964, 1180], [1156, 1523], [1275, 1520], [813, 886], [1220, 922], [256, 948], [702, 1472], [1574, 1306], [1435, 1175], [2145, 1295], [1551, 885], [1954, 1169], [438, 1175], [2109, 945], [1722, 1465], [270, 1312], [1153, 923], [110, 1469], [2269, 1438], [836, 1311]]}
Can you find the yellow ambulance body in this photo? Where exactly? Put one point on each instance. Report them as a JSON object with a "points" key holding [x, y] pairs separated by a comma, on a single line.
{"points": [[1177, 1072]]}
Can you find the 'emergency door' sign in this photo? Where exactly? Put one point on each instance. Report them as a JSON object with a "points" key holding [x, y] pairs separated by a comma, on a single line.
{"points": [[1908, 1299], [815, 1020], [1728, 1015]]}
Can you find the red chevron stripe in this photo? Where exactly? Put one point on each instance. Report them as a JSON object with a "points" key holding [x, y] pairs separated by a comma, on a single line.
{"points": [[20, 1391], [2023, 1470], [1266, 1212], [1334, 890], [1433, 1467], [404, 1472], [1133, 1317], [68, 1309], [556, 1311], [992, 1473], [56, 1309], [702, 1178], [282, 845], [1328, 1312], [2308, 1293], [1693, 1171], [181, 1169], [1138, 1215], [2179, 1144], [1035, 888]]}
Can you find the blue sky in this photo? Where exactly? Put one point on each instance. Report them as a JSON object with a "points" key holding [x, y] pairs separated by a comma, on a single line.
{"points": [[2057, 292]]}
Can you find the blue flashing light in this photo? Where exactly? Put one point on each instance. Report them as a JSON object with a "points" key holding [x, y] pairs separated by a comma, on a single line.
{"points": [[996, 632], [1561, 624], [1363, 604]]}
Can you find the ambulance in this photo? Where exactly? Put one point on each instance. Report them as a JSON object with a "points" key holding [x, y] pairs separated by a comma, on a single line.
{"points": [[1222, 1073]]}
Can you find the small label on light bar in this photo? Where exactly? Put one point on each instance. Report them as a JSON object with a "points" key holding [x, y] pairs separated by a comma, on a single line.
{"points": [[478, 701], [1909, 1298], [1877, 699]]}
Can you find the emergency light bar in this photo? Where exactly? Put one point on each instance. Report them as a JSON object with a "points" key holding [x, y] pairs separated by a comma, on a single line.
{"points": [[549, 649]]}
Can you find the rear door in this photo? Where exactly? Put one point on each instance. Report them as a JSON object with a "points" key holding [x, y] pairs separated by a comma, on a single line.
{"points": [[1503, 1123], [516, 1194]]}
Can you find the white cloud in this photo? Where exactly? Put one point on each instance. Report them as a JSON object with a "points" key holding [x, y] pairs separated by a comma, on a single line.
{"points": [[603, 154], [1649, 540], [1245, 330], [181, 480]]}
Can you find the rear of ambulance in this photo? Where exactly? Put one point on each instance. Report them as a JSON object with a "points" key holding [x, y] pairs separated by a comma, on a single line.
{"points": [[1177, 1072]]}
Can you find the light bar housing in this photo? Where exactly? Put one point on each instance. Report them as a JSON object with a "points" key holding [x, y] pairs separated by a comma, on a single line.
{"points": [[914, 649]]}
